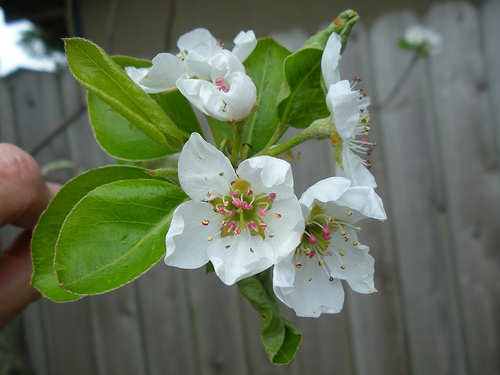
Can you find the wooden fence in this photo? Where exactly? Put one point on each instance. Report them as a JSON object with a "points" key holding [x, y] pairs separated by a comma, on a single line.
{"points": [[437, 256]]}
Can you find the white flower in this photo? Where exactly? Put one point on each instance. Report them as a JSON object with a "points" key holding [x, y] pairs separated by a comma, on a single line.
{"points": [[196, 48], [309, 281], [229, 96], [351, 118], [243, 221], [423, 39]]}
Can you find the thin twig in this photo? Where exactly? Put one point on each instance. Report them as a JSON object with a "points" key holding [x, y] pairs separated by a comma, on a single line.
{"points": [[58, 129]]}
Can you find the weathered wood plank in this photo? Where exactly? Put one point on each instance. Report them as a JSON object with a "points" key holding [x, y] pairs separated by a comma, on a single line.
{"points": [[434, 339], [168, 321], [471, 178], [376, 321]]}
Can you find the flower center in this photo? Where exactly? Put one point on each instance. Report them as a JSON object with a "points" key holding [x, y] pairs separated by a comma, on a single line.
{"points": [[222, 84], [242, 210], [315, 242]]}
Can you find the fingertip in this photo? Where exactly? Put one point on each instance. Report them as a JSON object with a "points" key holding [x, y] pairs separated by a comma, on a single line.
{"points": [[23, 191]]}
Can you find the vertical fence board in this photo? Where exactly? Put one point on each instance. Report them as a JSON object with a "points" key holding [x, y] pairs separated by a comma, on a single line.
{"points": [[376, 320], [167, 322], [217, 327], [471, 175], [427, 283]]}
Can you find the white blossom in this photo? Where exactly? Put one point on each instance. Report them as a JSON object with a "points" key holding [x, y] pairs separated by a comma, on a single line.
{"points": [[309, 280], [196, 48], [229, 96], [243, 221], [423, 39]]}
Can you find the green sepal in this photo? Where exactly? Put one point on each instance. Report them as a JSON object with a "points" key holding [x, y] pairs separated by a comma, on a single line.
{"points": [[114, 234], [280, 338], [46, 232], [103, 77]]}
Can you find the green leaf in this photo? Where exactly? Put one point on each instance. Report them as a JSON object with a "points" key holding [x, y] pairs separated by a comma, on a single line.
{"points": [[114, 234], [265, 66], [47, 230], [301, 99], [118, 137], [180, 111], [99, 74], [279, 337]]}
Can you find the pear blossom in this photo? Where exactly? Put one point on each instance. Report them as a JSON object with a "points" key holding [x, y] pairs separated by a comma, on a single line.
{"points": [[422, 39], [243, 221], [350, 115], [229, 96], [349, 109], [196, 48], [309, 280]]}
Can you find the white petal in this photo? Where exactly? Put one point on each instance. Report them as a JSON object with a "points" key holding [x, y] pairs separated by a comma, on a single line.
{"points": [[356, 266], [191, 39], [246, 256], [137, 74], [241, 97], [327, 190], [225, 63], [364, 200], [286, 228], [355, 170], [310, 298], [204, 169], [164, 72], [231, 106], [187, 237], [330, 60], [268, 175], [244, 44], [343, 105]]}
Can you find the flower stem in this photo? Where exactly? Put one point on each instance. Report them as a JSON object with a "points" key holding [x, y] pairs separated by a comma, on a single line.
{"points": [[238, 128], [319, 129]]}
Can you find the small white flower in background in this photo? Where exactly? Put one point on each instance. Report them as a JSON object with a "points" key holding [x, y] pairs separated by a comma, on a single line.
{"points": [[350, 116], [422, 39], [309, 280], [196, 48], [229, 96], [243, 221]]}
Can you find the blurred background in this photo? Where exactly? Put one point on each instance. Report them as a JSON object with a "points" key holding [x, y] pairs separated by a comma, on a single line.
{"points": [[437, 257]]}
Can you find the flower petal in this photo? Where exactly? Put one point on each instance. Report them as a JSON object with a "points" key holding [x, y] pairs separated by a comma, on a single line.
{"points": [[137, 74], [162, 76], [355, 170], [309, 298], [364, 200], [268, 175], [246, 256], [355, 266], [327, 190], [286, 228], [204, 170], [244, 44], [343, 105], [330, 60], [187, 237]]}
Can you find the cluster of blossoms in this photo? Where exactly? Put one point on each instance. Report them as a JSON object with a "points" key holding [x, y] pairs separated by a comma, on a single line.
{"points": [[246, 220], [212, 78]]}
